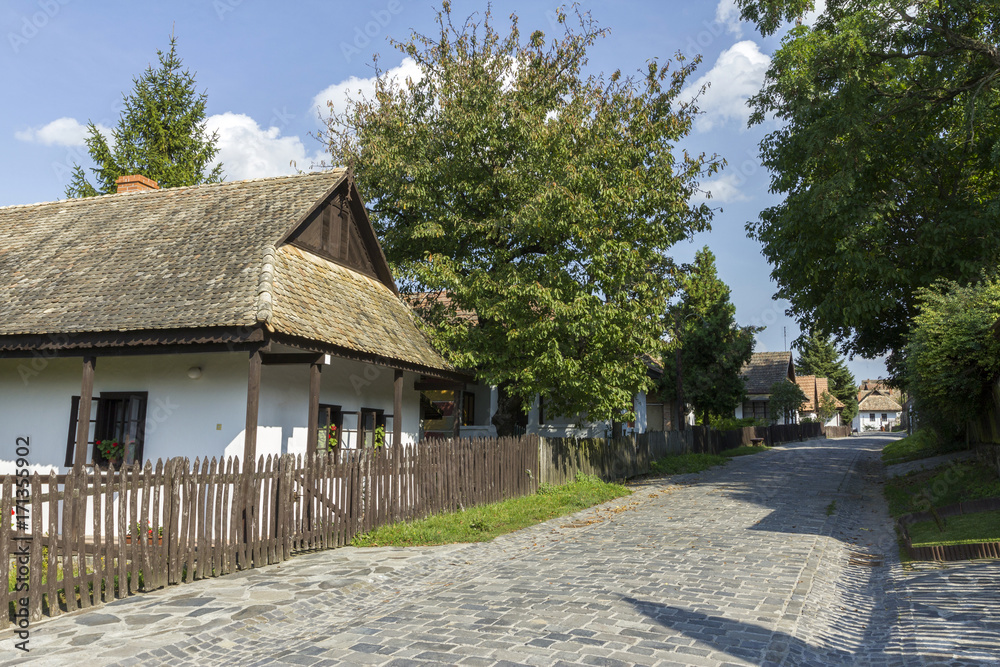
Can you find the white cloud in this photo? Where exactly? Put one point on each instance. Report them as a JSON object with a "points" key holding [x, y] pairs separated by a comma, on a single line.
{"points": [[60, 132], [248, 150], [737, 74], [728, 14], [725, 189], [356, 88]]}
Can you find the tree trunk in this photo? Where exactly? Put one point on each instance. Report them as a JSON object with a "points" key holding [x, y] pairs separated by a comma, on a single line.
{"points": [[680, 392]]}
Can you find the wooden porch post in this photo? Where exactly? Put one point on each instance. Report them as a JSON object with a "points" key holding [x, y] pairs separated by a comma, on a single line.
{"points": [[83, 418], [397, 408], [253, 406], [459, 396], [312, 441]]}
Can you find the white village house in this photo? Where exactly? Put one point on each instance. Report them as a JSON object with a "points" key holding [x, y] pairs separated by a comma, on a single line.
{"points": [[815, 388], [877, 410], [649, 414], [761, 373], [238, 318]]}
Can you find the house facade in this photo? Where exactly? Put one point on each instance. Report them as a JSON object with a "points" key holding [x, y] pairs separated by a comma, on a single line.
{"points": [[243, 319], [760, 374], [815, 388], [877, 411], [651, 414]]}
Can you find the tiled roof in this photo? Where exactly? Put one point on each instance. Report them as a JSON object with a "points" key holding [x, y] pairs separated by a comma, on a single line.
{"points": [[814, 388], [875, 401], [192, 257], [764, 369], [807, 383], [317, 299]]}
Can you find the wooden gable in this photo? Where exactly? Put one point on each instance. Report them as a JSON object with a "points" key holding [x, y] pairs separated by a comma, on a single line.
{"points": [[338, 229]]}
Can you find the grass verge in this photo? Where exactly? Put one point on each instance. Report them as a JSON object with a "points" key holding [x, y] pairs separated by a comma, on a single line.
{"points": [[944, 485], [484, 522], [680, 464], [921, 445], [963, 529]]}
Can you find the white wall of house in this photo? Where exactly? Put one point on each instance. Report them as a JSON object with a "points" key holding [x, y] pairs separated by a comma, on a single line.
{"points": [[187, 417], [873, 421], [577, 426]]}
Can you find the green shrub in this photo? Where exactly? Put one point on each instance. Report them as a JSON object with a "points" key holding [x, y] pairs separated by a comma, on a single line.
{"points": [[732, 423]]}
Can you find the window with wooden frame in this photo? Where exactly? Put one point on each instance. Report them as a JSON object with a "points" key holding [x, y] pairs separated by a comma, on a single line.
{"points": [[468, 409], [115, 415], [369, 421], [330, 417]]}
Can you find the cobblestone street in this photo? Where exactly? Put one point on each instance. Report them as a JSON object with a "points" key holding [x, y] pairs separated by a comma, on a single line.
{"points": [[785, 557]]}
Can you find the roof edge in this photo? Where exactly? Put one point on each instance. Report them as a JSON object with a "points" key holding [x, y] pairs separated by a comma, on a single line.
{"points": [[265, 285]]}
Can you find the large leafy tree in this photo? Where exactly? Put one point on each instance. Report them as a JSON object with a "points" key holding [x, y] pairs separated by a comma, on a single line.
{"points": [[886, 158], [711, 347], [819, 356], [160, 134], [538, 197]]}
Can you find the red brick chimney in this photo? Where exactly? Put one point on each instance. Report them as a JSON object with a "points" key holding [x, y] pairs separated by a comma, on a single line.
{"points": [[136, 183]]}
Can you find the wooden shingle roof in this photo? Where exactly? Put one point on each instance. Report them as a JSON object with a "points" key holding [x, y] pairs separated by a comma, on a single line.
{"points": [[194, 258], [876, 401], [766, 368]]}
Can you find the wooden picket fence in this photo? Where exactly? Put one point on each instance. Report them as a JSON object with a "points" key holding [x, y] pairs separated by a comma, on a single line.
{"points": [[92, 536]]}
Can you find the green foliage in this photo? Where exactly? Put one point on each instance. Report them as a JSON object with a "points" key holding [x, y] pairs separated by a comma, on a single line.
{"points": [[732, 423], [953, 355], [886, 159], [827, 407], [681, 464], [819, 356], [786, 399], [713, 349], [962, 529], [160, 135], [542, 199], [831, 508], [484, 522], [944, 485], [922, 444]]}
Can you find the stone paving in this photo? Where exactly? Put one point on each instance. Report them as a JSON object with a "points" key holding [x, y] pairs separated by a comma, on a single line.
{"points": [[781, 558]]}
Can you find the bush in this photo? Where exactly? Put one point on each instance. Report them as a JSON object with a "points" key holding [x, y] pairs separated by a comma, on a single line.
{"points": [[732, 423], [953, 355]]}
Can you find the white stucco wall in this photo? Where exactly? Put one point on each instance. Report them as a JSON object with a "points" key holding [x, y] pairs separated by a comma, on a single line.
{"points": [[578, 426], [863, 420], [185, 417]]}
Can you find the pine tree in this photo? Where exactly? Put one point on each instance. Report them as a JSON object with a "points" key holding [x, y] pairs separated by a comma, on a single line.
{"points": [[818, 356], [713, 349], [160, 134]]}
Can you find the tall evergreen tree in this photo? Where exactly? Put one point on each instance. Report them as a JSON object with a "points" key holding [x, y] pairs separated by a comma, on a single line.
{"points": [[713, 349], [160, 134], [818, 356]]}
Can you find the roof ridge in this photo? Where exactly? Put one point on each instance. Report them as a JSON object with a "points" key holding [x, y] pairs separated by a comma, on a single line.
{"points": [[262, 179], [265, 285]]}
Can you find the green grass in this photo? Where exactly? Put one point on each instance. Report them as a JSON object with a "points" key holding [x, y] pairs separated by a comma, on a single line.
{"points": [[944, 485], [964, 529], [484, 522], [679, 464], [831, 508], [921, 445], [744, 451]]}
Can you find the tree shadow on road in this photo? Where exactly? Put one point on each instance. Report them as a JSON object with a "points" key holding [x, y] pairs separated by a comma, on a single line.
{"points": [[759, 645]]}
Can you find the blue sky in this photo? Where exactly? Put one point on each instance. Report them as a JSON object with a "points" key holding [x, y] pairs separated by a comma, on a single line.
{"points": [[265, 65]]}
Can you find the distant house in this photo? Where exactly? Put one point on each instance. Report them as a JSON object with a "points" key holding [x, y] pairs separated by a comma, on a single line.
{"points": [[877, 410], [650, 415], [814, 388], [241, 318], [761, 373]]}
